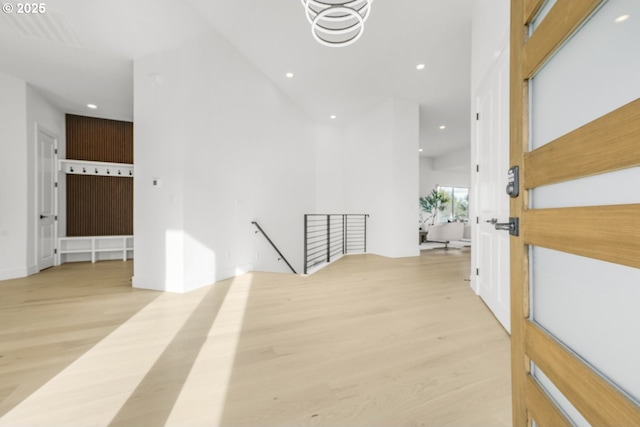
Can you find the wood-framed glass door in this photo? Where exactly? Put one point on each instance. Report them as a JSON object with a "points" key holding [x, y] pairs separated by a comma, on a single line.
{"points": [[575, 264]]}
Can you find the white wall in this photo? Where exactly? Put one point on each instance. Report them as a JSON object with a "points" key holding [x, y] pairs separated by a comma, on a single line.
{"points": [[371, 166], [13, 178], [229, 148], [489, 36], [21, 107], [444, 171]]}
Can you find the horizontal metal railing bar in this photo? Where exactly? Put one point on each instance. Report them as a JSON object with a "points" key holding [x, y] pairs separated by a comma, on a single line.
{"points": [[318, 260], [318, 250], [321, 253], [317, 237], [317, 242]]}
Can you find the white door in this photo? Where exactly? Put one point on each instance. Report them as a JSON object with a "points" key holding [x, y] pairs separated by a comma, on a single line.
{"points": [[46, 214], [492, 203]]}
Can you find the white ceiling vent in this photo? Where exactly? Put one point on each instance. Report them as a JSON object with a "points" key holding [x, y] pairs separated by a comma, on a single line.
{"points": [[51, 26]]}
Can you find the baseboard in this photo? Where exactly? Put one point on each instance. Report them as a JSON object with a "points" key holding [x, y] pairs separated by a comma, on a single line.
{"points": [[14, 273], [32, 269]]}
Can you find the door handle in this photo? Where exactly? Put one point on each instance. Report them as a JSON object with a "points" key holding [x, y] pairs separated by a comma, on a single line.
{"points": [[492, 221], [44, 216], [513, 226], [504, 226]]}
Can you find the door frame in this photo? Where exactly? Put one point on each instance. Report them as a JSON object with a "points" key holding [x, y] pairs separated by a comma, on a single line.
{"points": [[599, 402], [39, 128]]}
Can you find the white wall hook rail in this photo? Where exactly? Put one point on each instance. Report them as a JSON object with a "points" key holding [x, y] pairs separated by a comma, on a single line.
{"points": [[82, 167]]}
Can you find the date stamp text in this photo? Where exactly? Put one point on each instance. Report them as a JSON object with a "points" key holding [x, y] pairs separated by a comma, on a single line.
{"points": [[24, 8]]}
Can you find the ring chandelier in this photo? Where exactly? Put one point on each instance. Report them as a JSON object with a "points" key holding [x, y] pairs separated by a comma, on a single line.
{"points": [[337, 23]]}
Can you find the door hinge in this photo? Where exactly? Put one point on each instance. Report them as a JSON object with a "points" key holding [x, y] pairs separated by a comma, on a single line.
{"points": [[477, 271], [55, 218], [477, 168], [55, 184], [55, 151], [477, 220], [55, 251], [477, 116]]}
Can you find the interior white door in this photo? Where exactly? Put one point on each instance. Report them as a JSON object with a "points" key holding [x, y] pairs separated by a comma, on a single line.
{"points": [[492, 246], [46, 214]]}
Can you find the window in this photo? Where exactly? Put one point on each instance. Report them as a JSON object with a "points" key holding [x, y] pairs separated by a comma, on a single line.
{"points": [[457, 208]]}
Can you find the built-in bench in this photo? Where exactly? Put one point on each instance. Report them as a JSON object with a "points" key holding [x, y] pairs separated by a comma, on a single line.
{"points": [[94, 248]]}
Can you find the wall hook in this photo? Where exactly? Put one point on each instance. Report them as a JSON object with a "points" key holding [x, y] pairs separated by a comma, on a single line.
{"points": [[84, 170], [96, 170], [71, 169], [119, 173], [108, 173]]}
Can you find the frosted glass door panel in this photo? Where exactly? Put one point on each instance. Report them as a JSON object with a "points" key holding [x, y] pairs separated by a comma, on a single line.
{"points": [[591, 306], [594, 73], [615, 188]]}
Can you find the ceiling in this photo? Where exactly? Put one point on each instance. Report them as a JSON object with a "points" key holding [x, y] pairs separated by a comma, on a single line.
{"points": [[82, 51]]}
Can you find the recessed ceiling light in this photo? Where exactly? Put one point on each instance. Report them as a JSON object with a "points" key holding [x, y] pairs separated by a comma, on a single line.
{"points": [[92, 106], [622, 18], [332, 116], [443, 127], [420, 150], [289, 75], [420, 67]]}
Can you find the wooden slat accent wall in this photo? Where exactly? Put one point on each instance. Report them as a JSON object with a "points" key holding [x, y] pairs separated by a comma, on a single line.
{"points": [[99, 205], [99, 140]]}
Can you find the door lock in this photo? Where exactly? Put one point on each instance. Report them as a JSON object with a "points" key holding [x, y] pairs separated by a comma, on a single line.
{"points": [[513, 226], [513, 182]]}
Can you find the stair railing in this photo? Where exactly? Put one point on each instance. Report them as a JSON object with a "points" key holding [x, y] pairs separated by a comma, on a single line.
{"points": [[329, 236], [259, 229]]}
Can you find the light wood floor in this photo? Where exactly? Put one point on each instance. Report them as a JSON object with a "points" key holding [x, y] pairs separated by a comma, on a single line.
{"points": [[367, 341]]}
